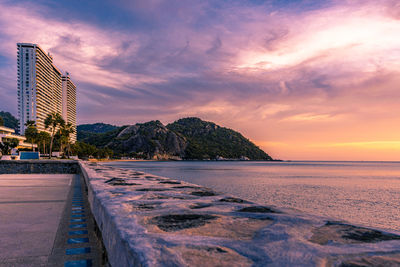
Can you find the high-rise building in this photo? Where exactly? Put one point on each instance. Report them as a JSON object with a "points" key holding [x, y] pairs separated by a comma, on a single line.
{"points": [[40, 88], [69, 103]]}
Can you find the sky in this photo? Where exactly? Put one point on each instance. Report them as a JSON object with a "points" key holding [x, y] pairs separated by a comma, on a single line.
{"points": [[304, 80]]}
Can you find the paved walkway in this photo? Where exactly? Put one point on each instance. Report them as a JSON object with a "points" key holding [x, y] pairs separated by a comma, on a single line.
{"points": [[44, 221]]}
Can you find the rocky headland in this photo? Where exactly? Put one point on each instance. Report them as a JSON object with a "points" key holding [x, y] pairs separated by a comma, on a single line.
{"points": [[188, 139]]}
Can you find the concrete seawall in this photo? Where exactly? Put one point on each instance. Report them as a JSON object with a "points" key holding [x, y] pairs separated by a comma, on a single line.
{"points": [[36, 166], [147, 220]]}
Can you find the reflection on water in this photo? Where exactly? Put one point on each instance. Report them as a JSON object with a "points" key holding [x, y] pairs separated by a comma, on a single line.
{"points": [[366, 193]]}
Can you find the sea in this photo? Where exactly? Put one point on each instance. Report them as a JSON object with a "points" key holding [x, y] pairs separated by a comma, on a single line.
{"points": [[361, 193]]}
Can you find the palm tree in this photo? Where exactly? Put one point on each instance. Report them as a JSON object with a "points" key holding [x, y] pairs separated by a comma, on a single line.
{"points": [[53, 121], [31, 133], [43, 138], [65, 132], [30, 123]]}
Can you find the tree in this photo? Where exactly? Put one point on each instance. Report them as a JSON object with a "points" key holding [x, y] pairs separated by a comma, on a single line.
{"points": [[52, 122], [1, 121], [83, 150], [10, 121], [43, 138], [65, 137], [30, 123], [104, 153], [8, 144], [31, 133]]}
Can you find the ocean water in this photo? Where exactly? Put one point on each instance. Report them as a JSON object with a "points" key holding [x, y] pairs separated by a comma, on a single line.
{"points": [[363, 193]]}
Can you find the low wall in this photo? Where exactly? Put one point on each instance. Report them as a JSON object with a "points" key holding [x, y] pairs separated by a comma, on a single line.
{"points": [[39, 166], [147, 220]]}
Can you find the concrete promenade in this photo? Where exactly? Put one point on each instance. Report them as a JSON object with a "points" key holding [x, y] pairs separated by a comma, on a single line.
{"points": [[37, 215], [30, 211]]}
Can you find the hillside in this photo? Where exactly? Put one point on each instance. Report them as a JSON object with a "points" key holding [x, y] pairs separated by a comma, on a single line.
{"points": [[151, 140], [86, 130], [189, 138], [206, 140], [9, 120]]}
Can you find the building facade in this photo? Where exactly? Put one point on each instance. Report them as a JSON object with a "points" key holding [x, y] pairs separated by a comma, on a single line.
{"points": [[8, 133], [69, 103], [40, 87]]}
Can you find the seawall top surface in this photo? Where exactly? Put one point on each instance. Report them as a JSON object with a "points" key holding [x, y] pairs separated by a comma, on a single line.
{"points": [[149, 220]]}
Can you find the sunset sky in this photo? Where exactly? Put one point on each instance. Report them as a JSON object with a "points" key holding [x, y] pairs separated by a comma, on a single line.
{"points": [[305, 80]]}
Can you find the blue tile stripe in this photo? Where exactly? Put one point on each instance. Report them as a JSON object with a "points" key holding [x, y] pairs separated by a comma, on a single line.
{"points": [[78, 232], [78, 240], [80, 263], [77, 251], [78, 229], [78, 220], [77, 215]]}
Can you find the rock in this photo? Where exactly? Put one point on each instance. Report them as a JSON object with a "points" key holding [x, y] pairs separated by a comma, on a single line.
{"points": [[363, 260], [200, 205], [204, 193], [146, 206], [212, 256], [169, 182], [152, 189], [118, 181], [186, 186], [348, 234], [233, 200], [258, 209], [176, 222]]}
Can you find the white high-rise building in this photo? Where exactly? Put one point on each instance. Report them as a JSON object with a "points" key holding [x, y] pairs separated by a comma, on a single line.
{"points": [[69, 103], [40, 88]]}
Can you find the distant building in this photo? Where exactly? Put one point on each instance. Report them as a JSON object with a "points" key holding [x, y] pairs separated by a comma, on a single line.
{"points": [[40, 88], [69, 102], [8, 133]]}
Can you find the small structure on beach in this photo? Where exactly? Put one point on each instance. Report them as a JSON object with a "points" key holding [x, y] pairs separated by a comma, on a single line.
{"points": [[8, 133]]}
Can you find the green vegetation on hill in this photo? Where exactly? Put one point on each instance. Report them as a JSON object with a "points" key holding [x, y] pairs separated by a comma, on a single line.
{"points": [[9, 120], [189, 138], [206, 140], [100, 139], [96, 127], [87, 130]]}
